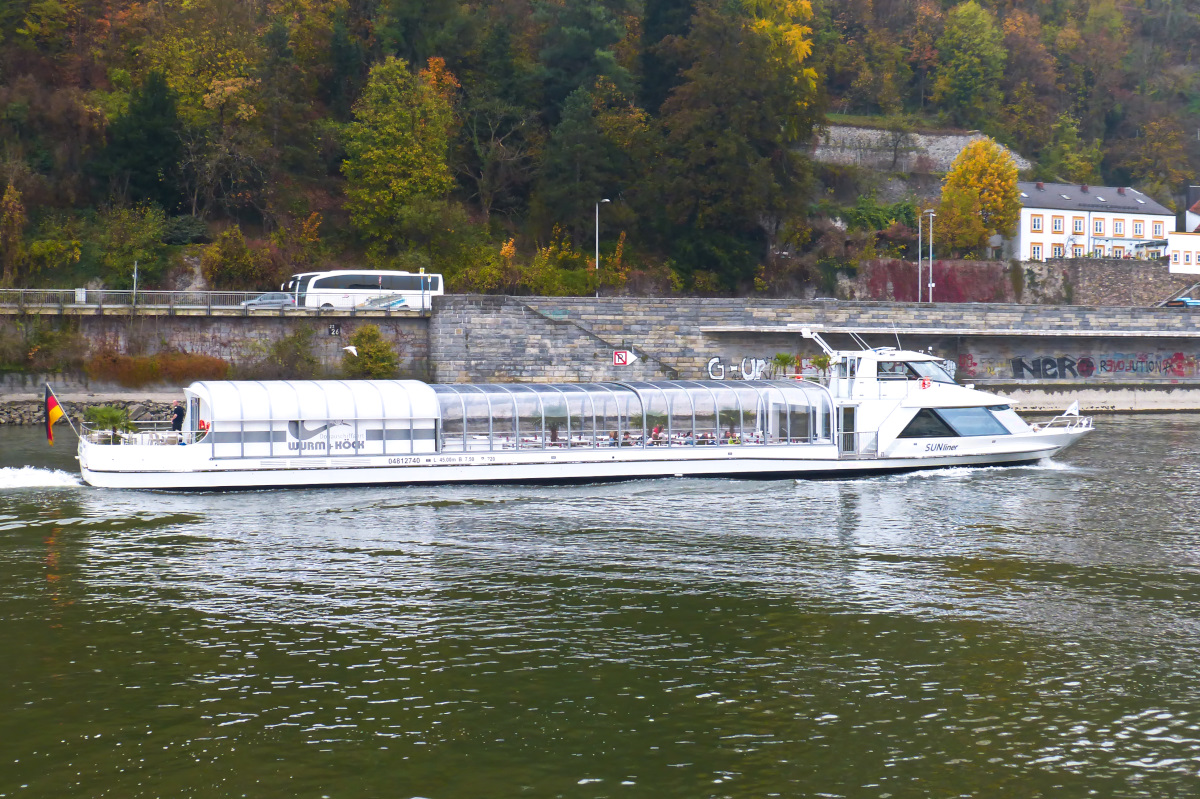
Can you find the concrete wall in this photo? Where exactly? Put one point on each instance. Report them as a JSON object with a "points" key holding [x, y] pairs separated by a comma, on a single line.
{"points": [[1116, 357], [1113, 358]]}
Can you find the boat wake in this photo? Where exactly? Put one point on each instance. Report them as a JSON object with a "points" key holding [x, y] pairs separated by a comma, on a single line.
{"points": [[33, 477], [958, 472]]}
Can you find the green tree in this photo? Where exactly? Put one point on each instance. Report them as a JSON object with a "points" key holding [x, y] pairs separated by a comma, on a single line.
{"points": [[593, 153], [979, 196], [731, 169], [375, 358], [144, 148], [578, 41], [132, 235], [973, 57], [1067, 157], [396, 153]]}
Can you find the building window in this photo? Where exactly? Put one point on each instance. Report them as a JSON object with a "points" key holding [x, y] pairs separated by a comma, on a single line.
{"points": [[1098, 227], [1158, 230], [1138, 230], [1077, 224], [1077, 251], [1056, 224], [1098, 252], [1174, 257], [1035, 252], [1118, 227], [1057, 250], [1118, 252], [1035, 223]]}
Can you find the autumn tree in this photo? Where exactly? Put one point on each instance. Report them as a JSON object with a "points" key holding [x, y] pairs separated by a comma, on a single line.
{"points": [[12, 232], [1030, 83], [396, 150], [1160, 164], [980, 198], [973, 57]]}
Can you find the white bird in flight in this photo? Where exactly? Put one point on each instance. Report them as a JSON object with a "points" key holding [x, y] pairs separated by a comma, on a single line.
{"points": [[352, 350]]}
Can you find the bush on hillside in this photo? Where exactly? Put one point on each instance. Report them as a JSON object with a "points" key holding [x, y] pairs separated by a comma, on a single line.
{"points": [[376, 360]]}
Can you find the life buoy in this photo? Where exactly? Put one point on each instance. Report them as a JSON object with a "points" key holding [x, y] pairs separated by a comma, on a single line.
{"points": [[926, 382]]}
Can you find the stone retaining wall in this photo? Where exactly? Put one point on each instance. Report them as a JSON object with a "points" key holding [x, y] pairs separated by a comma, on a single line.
{"points": [[25, 412], [876, 148]]}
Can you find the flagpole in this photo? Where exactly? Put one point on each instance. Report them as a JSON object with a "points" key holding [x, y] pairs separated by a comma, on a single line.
{"points": [[66, 415]]}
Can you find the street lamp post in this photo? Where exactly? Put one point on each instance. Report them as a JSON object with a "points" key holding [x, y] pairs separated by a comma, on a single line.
{"points": [[598, 247], [920, 220], [931, 216]]}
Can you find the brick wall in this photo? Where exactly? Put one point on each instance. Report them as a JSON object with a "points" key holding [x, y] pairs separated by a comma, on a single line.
{"points": [[1072, 281]]}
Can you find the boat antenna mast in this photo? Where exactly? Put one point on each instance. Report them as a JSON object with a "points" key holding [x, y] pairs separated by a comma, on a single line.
{"points": [[809, 333], [859, 340]]}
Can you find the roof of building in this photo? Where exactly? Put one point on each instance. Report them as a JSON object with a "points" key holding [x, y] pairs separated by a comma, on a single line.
{"points": [[1073, 197]]}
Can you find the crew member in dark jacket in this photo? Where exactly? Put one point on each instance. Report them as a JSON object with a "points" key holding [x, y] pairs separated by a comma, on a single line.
{"points": [[177, 417]]}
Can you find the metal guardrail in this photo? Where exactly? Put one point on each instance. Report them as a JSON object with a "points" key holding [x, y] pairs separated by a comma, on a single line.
{"points": [[106, 298], [103, 298]]}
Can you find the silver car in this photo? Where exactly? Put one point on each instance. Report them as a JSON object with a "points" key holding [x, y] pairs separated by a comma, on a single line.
{"points": [[274, 299]]}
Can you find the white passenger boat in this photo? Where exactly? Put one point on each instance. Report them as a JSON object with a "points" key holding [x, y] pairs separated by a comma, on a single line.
{"points": [[879, 410]]}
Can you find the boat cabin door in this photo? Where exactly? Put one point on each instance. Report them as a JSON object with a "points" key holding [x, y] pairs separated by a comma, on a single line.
{"points": [[847, 430], [844, 373]]}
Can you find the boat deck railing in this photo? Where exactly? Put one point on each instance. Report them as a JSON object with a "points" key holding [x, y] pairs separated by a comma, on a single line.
{"points": [[858, 445], [1065, 422], [142, 434]]}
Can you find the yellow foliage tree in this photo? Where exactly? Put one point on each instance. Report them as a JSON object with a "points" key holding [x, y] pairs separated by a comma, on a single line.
{"points": [[979, 196], [396, 148]]}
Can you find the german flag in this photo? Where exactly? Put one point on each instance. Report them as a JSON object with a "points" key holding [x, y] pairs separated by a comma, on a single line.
{"points": [[54, 412]]}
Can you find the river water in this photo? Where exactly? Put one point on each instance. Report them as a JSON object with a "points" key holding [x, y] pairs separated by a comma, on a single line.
{"points": [[973, 632]]}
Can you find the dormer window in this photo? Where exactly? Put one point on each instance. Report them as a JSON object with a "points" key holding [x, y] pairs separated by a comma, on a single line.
{"points": [[1064, 196], [1101, 199], [1140, 200]]}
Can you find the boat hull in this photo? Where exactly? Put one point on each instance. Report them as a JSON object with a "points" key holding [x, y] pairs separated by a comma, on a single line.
{"points": [[564, 466]]}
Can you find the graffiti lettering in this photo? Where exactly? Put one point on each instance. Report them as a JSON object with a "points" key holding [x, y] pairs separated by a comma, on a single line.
{"points": [[1128, 365]]}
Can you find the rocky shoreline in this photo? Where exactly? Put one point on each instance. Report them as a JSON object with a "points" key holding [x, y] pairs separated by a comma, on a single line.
{"points": [[23, 412]]}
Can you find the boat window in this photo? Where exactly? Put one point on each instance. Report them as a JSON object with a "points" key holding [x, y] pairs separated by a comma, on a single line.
{"points": [[1009, 418], [931, 370], [927, 424], [973, 421], [892, 370]]}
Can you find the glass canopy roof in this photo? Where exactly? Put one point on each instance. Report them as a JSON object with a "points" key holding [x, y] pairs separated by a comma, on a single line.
{"points": [[642, 414]]}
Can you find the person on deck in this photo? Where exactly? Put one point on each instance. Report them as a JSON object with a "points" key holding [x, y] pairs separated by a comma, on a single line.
{"points": [[177, 416]]}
